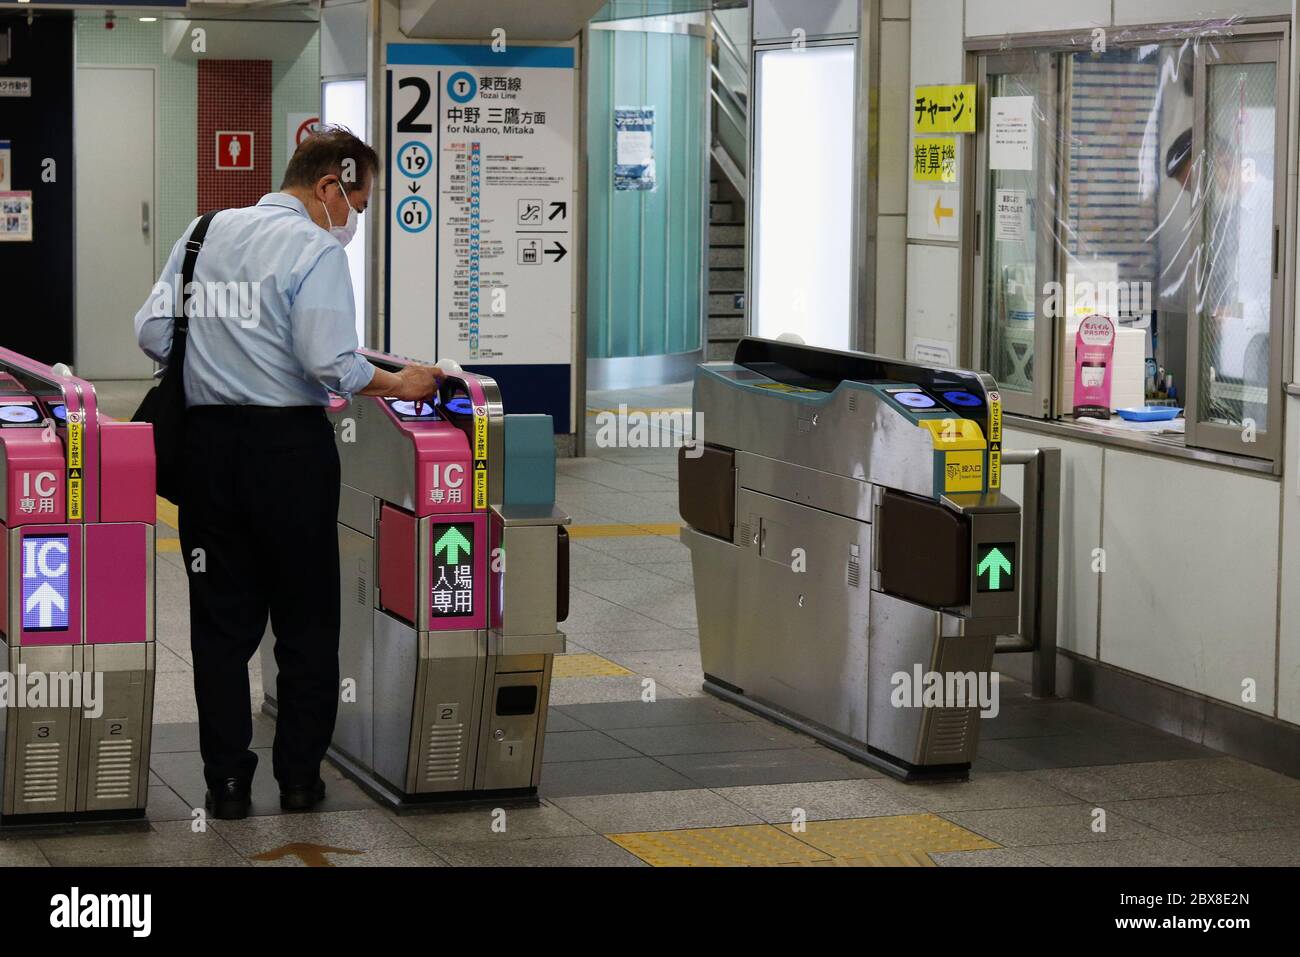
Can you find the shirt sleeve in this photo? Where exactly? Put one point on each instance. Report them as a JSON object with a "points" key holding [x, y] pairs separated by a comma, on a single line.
{"points": [[153, 323], [323, 321]]}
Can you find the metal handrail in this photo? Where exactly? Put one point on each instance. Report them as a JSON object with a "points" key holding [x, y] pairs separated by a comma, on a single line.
{"points": [[730, 47], [735, 110], [728, 104], [1039, 563]]}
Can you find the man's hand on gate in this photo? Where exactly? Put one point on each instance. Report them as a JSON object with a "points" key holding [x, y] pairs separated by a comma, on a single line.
{"points": [[417, 383]]}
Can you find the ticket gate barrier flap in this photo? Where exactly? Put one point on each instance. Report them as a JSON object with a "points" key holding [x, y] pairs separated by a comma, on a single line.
{"points": [[908, 557]]}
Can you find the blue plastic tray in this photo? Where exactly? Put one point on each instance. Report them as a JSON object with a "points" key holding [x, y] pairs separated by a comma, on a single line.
{"points": [[1150, 413]]}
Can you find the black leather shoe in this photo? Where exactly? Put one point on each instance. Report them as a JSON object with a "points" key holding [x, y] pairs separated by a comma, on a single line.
{"points": [[230, 801], [302, 798]]}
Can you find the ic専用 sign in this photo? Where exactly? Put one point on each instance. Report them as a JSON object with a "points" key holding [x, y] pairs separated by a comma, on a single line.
{"points": [[948, 108]]}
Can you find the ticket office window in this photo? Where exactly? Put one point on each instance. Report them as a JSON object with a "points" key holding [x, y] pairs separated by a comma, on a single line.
{"points": [[1151, 196]]}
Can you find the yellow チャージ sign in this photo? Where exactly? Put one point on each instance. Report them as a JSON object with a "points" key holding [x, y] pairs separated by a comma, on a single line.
{"points": [[934, 159], [948, 108], [963, 471]]}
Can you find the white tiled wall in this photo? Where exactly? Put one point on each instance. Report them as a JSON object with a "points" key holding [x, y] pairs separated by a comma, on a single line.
{"points": [[891, 185], [992, 17], [1161, 11], [1189, 595], [933, 274], [1078, 587]]}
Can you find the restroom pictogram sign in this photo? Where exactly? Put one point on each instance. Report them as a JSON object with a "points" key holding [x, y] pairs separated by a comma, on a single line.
{"points": [[234, 150]]}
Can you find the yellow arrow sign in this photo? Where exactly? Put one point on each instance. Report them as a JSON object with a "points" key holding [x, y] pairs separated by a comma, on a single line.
{"points": [[941, 212], [312, 855]]}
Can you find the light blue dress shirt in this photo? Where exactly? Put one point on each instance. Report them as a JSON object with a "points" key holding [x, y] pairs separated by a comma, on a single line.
{"points": [[274, 323]]}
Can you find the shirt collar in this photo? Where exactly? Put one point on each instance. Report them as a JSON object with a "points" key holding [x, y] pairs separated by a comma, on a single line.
{"points": [[285, 200]]}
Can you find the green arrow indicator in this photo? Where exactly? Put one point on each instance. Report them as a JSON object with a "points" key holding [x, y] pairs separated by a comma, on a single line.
{"points": [[995, 565], [452, 542]]}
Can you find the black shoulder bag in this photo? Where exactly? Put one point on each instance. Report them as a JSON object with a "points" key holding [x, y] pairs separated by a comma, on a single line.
{"points": [[164, 404]]}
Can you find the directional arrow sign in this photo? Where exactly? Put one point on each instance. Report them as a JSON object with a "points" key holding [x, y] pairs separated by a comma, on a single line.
{"points": [[414, 187], [560, 209], [46, 569], [557, 251], [941, 212], [452, 542], [312, 855], [45, 599], [996, 564]]}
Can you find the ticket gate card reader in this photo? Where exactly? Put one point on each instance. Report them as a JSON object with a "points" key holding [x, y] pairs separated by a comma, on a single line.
{"points": [[77, 518], [454, 575], [851, 548]]}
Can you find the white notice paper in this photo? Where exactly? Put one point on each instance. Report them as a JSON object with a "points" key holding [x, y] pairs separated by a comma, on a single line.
{"points": [[1009, 216], [1011, 132]]}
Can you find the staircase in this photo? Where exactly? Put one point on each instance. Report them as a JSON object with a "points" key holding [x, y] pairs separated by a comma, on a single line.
{"points": [[729, 98], [726, 318]]}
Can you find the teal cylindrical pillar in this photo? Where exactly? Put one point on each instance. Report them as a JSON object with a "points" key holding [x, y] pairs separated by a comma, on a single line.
{"points": [[645, 246]]}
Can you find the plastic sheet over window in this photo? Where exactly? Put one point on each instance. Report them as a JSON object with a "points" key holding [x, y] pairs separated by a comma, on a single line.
{"points": [[1138, 178]]}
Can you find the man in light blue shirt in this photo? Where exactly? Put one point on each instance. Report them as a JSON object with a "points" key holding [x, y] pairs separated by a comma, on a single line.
{"points": [[271, 335]]}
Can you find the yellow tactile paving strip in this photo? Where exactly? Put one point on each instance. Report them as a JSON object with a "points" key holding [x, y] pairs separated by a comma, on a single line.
{"points": [[904, 840], [586, 665], [623, 531], [167, 513], [746, 845]]}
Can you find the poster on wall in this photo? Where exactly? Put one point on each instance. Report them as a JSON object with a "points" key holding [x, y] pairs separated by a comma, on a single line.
{"points": [[634, 151], [16, 216], [480, 213], [1011, 132], [5, 165], [1010, 216]]}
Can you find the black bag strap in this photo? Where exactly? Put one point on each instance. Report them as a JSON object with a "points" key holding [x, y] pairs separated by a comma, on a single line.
{"points": [[192, 247]]}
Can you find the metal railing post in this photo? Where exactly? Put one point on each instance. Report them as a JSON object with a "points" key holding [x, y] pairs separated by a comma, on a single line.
{"points": [[1039, 565]]}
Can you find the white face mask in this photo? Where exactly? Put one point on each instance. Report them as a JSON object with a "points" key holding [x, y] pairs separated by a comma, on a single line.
{"points": [[345, 232]]}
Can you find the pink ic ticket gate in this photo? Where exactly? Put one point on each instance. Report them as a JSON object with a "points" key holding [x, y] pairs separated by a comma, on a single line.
{"points": [[454, 576], [77, 514]]}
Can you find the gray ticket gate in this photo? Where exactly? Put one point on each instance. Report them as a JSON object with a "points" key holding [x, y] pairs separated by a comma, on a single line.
{"points": [[855, 560], [454, 576]]}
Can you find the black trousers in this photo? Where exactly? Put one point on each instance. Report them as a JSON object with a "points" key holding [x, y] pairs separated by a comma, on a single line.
{"points": [[260, 500]]}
